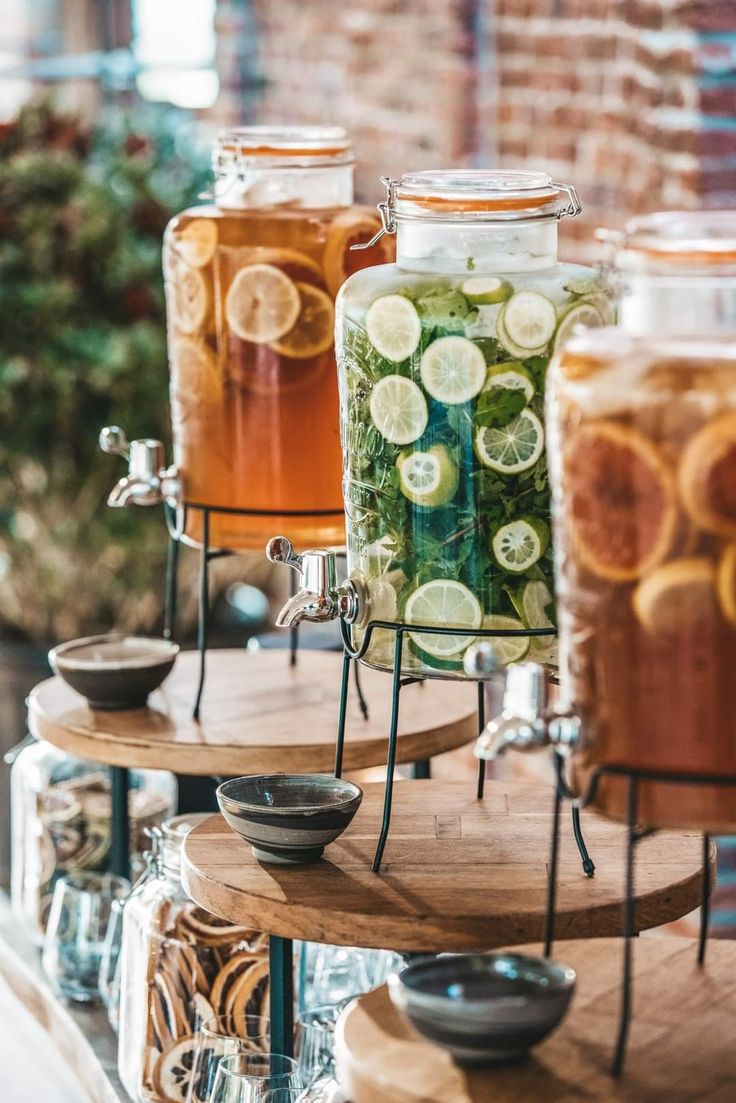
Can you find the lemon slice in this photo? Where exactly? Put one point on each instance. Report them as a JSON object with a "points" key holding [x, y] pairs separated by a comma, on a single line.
{"points": [[678, 595], [519, 544], [314, 329], [727, 583], [483, 290], [512, 376], [507, 649], [707, 475], [443, 603], [262, 304], [578, 317], [428, 478], [528, 321], [393, 327], [514, 448], [189, 296], [453, 370], [195, 373], [196, 242], [298, 266], [398, 409]]}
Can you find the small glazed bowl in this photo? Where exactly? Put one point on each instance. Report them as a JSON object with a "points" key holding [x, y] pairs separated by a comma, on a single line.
{"points": [[486, 1009], [288, 819], [114, 671]]}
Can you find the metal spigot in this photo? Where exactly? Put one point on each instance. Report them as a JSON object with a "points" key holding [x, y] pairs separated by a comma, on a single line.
{"points": [[148, 481], [319, 597]]}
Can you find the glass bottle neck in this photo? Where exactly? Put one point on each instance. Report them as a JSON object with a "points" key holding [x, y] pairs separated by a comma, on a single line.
{"points": [[457, 247], [314, 187], [687, 304]]}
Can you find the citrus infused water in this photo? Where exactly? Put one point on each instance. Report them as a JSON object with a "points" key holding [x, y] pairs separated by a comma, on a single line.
{"points": [[250, 285], [643, 440], [442, 360]]}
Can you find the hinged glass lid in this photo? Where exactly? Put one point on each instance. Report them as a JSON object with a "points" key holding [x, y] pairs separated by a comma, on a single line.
{"points": [[675, 238], [281, 147]]}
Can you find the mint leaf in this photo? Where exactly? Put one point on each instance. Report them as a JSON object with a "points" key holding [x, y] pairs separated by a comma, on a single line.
{"points": [[498, 407]]}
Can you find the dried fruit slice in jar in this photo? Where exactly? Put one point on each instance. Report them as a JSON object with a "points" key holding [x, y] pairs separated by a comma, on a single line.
{"points": [[393, 327], [429, 478], [526, 323], [262, 304], [620, 501], [347, 229], [453, 370], [314, 329], [707, 476], [676, 596], [398, 409], [513, 448], [518, 545], [443, 603], [173, 1071]]}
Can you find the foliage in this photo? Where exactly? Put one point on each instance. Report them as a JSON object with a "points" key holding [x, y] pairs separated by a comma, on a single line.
{"points": [[82, 344]]}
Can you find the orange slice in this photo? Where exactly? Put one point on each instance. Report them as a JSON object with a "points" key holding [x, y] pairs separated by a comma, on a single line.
{"points": [[196, 242], [195, 372], [262, 304], [314, 329], [726, 583], [707, 476], [189, 297], [621, 501], [354, 227], [678, 595]]}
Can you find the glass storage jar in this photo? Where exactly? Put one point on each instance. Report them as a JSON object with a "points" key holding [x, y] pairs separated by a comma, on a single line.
{"points": [[442, 362], [643, 469], [180, 966], [250, 287], [61, 809]]}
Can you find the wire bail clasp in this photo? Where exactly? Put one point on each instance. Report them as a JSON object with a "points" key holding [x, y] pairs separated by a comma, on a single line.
{"points": [[387, 211], [574, 206]]}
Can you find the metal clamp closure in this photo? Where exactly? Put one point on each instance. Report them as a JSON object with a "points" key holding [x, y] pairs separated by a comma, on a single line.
{"points": [[387, 211]]}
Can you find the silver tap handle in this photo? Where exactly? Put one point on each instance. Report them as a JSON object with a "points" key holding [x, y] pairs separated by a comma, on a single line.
{"points": [[113, 440], [280, 549], [527, 691]]}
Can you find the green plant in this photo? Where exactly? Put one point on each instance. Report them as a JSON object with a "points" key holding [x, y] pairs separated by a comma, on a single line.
{"points": [[82, 344]]}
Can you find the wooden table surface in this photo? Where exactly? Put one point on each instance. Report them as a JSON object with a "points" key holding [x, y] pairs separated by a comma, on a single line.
{"points": [[457, 874], [681, 1044], [259, 715]]}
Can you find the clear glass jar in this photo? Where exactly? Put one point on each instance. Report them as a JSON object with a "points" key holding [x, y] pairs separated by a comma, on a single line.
{"points": [[60, 816], [250, 286], [179, 966], [442, 362], [642, 427]]}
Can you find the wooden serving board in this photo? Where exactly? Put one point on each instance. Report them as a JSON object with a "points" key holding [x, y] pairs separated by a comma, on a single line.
{"points": [[681, 1043], [259, 715], [457, 874]]}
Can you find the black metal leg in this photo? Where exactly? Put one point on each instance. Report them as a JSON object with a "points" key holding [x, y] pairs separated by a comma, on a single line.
{"points": [[120, 825], [391, 756], [172, 567], [549, 923], [359, 690], [342, 713], [281, 970], [588, 863], [422, 769], [629, 930], [204, 601], [481, 726], [704, 901]]}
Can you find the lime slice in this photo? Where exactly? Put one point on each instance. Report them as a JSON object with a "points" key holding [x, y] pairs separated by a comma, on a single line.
{"points": [[529, 320], [453, 370], [512, 376], [481, 290], [519, 544], [604, 304], [428, 478], [448, 666], [514, 448], [443, 603], [582, 315], [393, 327], [584, 285], [535, 600], [398, 409], [507, 649]]}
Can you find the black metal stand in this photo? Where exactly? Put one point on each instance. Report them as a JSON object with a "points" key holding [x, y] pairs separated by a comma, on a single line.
{"points": [[281, 973], [634, 834], [119, 822]]}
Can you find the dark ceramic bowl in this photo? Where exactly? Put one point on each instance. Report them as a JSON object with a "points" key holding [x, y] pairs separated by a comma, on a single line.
{"points": [[288, 819], [114, 672], [485, 1008]]}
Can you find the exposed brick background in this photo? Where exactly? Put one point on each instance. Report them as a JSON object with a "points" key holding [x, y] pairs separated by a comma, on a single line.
{"points": [[631, 100]]}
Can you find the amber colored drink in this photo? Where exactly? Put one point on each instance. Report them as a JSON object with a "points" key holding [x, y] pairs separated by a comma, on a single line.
{"points": [[254, 400], [643, 451]]}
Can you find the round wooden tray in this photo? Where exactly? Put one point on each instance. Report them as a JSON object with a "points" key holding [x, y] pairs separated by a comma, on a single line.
{"points": [[457, 874], [259, 715], [680, 1046]]}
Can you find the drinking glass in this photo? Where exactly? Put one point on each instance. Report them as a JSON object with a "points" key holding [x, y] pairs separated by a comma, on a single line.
{"points": [[223, 1036], [246, 1077], [315, 1042], [75, 935], [109, 978]]}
